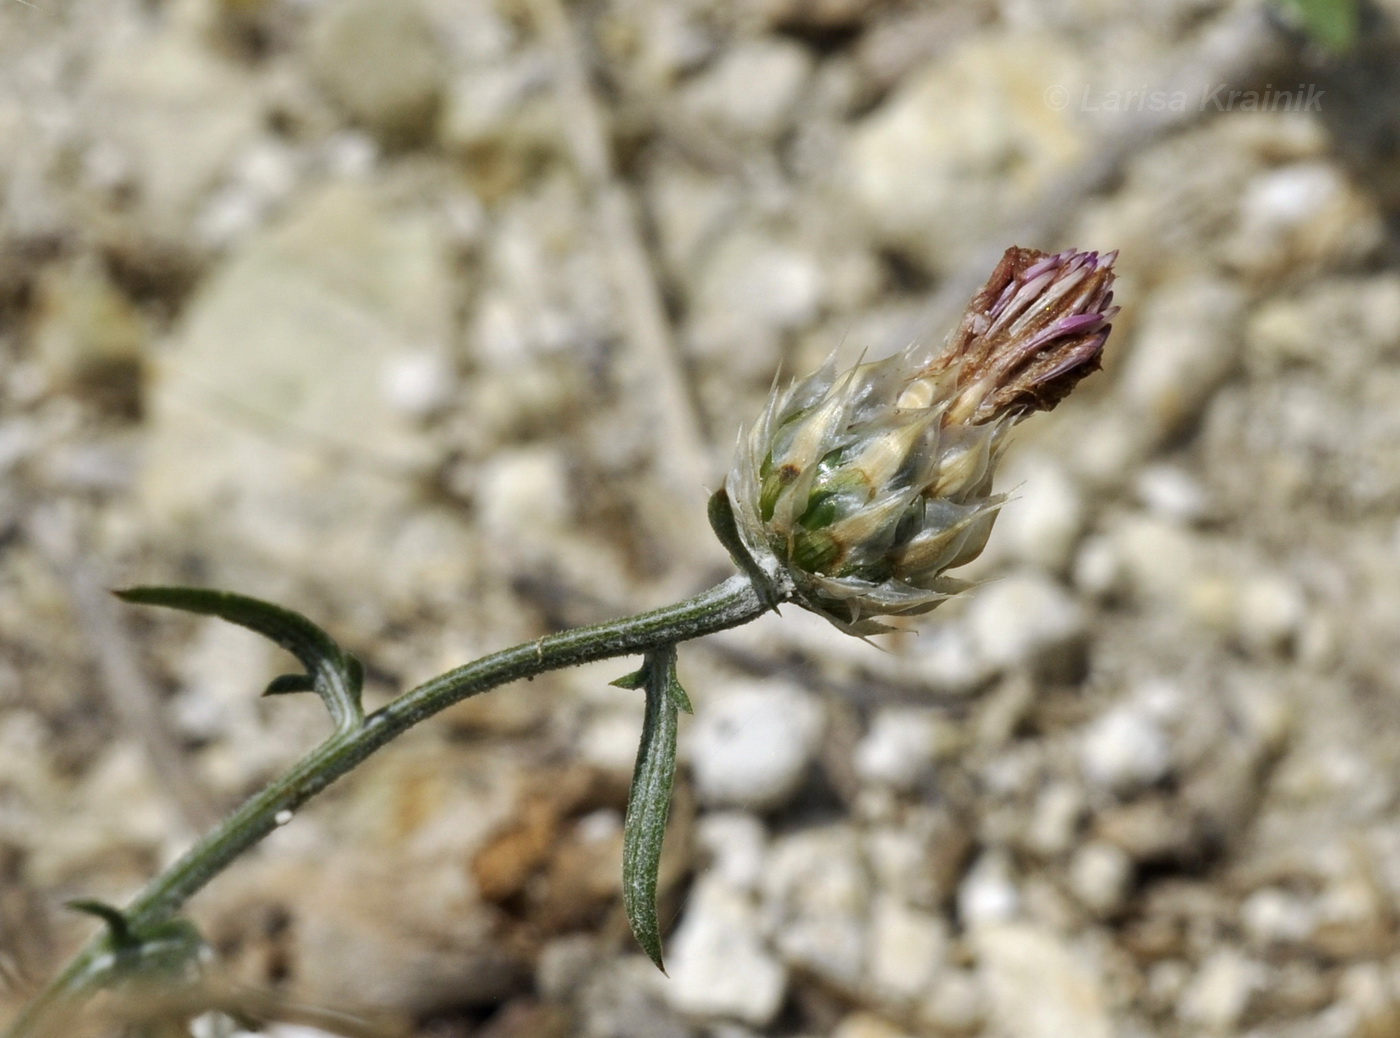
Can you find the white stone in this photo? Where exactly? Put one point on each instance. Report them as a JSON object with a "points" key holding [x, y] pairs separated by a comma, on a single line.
{"points": [[1098, 570], [292, 1031], [1036, 986], [1291, 194], [420, 383], [946, 657], [867, 1025], [1302, 215], [1273, 916], [177, 113], [1099, 875], [1157, 559], [988, 894], [1270, 611], [908, 947], [717, 961], [736, 844], [1024, 619], [564, 964], [964, 140], [816, 902], [524, 493], [1189, 342], [1124, 750], [508, 104], [1042, 522], [752, 88], [265, 175], [751, 746], [956, 1002], [609, 739], [1219, 994], [1172, 493], [382, 62], [272, 388], [1055, 818], [902, 745], [1163, 699], [752, 288]]}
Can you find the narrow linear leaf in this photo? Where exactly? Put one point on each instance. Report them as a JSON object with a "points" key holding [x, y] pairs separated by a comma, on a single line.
{"points": [[287, 683], [649, 803], [118, 929], [636, 679], [331, 672], [169, 950], [678, 695]]}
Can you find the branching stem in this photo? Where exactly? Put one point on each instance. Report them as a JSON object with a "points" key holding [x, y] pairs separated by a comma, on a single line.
{"points": [[730, 604]]}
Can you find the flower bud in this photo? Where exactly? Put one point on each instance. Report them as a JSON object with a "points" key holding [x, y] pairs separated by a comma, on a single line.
{"points": [[861, 489]]}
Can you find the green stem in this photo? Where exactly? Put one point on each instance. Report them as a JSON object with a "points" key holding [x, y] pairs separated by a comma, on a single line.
{"points": [[726, 605]]}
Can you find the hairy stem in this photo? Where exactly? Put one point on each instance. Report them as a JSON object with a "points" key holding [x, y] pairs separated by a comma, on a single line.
{"points": [[726, 605]]}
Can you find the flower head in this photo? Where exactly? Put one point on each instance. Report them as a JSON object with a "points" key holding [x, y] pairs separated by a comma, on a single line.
{"points": [[859, 490]]}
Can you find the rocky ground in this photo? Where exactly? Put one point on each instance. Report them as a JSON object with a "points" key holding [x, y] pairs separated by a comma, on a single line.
{"points": [[434, 318]]}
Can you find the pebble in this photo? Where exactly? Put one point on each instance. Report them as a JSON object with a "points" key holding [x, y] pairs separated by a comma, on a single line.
{"points": [[265, 175], [867, 1025], [718, 962], [626, 998], [1055, 818], [1361, 313], [902, 745], [175, 114], [1027, 619], [1098, 569], [1272, 916], [1100, 875], [504, 110], [1156, 559], [1270, 610], [289, 337], [1219, 994], [1037, 987], [750, 292], [1042, 523], [955, 1003], [932, 167], [753, 88], [908, 949], [922, 858], [524, 493], [1172, 493], [1301, 216], [816, 901], [1187, 345], [89, 337], [564, 964], [751, 747], [1125, 750], [382, 62], [988, 894], [736, 844], [946, 658], [420, 383]]}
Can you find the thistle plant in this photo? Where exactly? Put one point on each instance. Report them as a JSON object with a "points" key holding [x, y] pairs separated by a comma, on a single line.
{"points": [[863, 488], [852, 495]]}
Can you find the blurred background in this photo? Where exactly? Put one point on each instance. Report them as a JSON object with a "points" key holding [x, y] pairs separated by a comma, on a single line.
{"points": [[435, 320]]}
